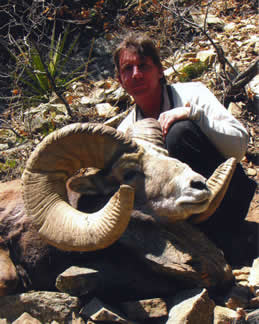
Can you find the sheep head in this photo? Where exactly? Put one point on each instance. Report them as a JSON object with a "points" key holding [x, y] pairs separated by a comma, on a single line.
{"points": [[125, 168]]}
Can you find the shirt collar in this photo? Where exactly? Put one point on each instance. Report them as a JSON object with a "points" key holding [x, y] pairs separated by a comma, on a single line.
{"points": [[165, 104]]}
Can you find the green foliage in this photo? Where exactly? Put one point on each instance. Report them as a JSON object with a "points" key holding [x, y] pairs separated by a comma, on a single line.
{"points": [[48, 128], [192, 71], [8, 165]]}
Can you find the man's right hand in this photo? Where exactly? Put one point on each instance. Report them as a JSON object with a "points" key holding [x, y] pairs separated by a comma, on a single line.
{"points": [[169, 117]]}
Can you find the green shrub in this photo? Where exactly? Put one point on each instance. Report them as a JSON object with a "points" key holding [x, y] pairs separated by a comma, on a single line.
{"points": [[192, 71]]}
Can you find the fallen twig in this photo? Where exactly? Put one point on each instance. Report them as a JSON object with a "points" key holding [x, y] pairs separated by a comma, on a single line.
{"points": [[8, 126]]}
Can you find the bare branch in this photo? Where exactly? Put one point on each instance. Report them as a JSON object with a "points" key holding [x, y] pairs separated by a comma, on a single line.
{"points": [[240, 81]]}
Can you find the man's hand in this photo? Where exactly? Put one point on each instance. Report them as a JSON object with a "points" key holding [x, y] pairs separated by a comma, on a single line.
{"points": [[167, 118]]}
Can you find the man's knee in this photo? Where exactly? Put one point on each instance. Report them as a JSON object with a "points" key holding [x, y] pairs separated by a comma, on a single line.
{"points": [[182, 127], [179, 132]]}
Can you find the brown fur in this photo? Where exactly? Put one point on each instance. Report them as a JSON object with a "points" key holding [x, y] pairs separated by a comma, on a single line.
{"points": [[37, 263]]}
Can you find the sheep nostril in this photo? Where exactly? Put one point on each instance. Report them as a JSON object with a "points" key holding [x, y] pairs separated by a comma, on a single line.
{"points": [[197, 184]]}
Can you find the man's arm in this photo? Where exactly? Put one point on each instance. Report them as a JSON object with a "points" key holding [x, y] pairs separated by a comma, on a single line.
{"points": [[218, 124]]}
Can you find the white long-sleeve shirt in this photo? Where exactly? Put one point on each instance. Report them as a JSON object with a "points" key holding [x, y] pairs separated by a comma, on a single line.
{"points": [[227, 134]]}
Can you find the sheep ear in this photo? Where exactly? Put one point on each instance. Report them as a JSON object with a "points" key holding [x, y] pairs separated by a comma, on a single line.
{"points": [[92, 182], [85, 183]]}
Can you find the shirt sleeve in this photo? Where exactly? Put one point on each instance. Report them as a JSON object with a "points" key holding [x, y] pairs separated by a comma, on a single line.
{"points": [[218, 124]]}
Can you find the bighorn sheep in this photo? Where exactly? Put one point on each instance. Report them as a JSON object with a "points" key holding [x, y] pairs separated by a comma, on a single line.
{"points": [[133, 170], [163, 185]]}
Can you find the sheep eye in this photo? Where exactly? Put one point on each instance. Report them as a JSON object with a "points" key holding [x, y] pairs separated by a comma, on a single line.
{"points": [[128, 176]]}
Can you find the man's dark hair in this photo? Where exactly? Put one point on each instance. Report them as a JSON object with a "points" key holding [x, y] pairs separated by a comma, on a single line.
{"points": [[140, 44]]}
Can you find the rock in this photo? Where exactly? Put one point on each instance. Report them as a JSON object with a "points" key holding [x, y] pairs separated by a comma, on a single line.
{"points": [[195, 262], [108, 276], [253, 317], [3, 321], [241, 276], [207, 57], [145, 309], [251, 172], [254, 277], [23, 149], [115, 121], [96, 311], [254, 303], [235, 109], [98, 94], [223, 315], [256, 46], [253, 86], [86, 100], [77, 281], [230, 27], [244, 271], [192, 307], [76, 319], [36, 123], [4, 146], [170, 71], [26, 318], [106, 110], [44, 306], [211, 20], [45, 116], [238, 297], [117, 95]]}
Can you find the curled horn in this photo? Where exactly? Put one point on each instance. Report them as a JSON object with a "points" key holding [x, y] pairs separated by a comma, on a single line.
{"points": [[57, 158], [218, 184], [148, 130]]}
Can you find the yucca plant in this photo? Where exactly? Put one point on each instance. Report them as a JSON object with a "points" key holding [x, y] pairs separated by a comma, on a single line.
{"points": [[38, 77]]}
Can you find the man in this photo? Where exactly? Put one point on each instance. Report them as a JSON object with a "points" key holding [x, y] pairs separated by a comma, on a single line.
{"points": [[197, 128]]}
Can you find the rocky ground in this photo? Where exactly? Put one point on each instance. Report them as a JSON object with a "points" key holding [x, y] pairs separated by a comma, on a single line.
{"points": [[234, 25]]}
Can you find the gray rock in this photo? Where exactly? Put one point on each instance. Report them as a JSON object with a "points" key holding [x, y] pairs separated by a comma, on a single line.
{"points": [[106, 110], [254, 277], [253, 317], [97, 311], [192, 308], [77, 281], [115, 121], [211, 20], [4, 146], [145, 309], [254, 303], [26, 318], [3, 321], [44, 306], [224, 315], [207, 56], [116, 273], [238, 297]]}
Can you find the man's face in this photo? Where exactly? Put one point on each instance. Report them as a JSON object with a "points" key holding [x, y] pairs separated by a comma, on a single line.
{"points": [[140, 77]]}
